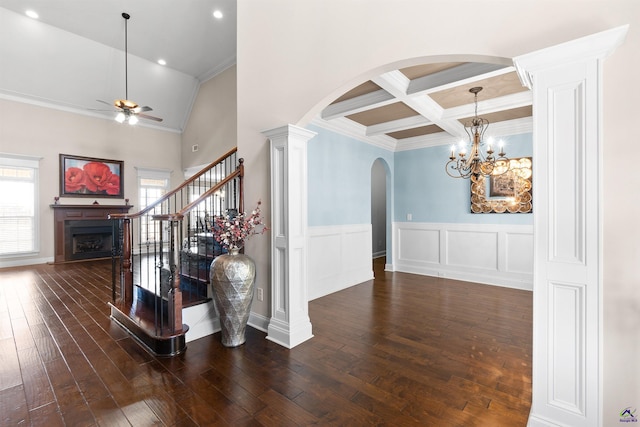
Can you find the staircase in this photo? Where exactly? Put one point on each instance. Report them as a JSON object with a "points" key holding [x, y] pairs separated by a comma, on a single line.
{"points": [[161, 262]]}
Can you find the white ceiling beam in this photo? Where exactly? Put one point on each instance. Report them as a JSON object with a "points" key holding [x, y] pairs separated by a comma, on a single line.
{"points": [[456, 76], [397, 84], [398, 125], [358, 104]]}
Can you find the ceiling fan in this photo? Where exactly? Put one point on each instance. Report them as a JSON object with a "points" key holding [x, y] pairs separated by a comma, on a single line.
{"points": [[129, 111]]}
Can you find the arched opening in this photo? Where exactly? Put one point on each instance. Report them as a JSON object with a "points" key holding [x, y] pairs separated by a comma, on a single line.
{"points": [[380, 209]]}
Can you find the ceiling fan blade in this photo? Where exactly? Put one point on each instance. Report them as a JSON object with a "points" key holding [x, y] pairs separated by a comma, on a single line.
{"points": [[110, 104], [146, 116], [141, 109]]}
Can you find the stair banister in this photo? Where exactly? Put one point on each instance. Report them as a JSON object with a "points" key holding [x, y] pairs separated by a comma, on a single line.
{"points": [[163, 246], [175, 219], [175, 190]]}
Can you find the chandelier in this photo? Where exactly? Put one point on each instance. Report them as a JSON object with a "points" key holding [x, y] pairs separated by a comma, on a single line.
{"points": [[476, 163]]}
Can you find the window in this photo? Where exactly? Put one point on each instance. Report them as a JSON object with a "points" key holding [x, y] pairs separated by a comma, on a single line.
{"points": [[18, 205], [152, 184]]}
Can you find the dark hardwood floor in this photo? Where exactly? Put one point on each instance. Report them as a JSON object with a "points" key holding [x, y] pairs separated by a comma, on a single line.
{"points": [[401, 350]]}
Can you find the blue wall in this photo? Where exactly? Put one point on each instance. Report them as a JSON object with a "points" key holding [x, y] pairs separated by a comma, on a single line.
{"points": [[339, 171], [423, 189]]}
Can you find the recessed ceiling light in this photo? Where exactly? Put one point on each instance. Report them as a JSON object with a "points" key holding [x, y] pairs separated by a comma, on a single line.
{"points": [[162, 62], [31, 14], [217, 14]]}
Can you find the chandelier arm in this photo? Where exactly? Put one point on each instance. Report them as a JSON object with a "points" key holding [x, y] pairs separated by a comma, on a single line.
{"points": [[477, 163]]}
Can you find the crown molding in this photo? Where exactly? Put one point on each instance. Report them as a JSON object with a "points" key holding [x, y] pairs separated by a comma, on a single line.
{"points": [[356, 131]]}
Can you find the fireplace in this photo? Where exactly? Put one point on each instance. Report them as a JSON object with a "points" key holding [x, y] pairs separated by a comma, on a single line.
{"points": [[83, 232], [89, 239]]}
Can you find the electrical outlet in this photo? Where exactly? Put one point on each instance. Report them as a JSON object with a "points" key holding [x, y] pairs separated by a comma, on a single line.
{"points": [[260, 294], [194, 148], [409, 217]]}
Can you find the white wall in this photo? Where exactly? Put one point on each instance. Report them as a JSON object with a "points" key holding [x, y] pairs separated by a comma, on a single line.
{"points": [[212, 124], [43, 132], [319, 49]]}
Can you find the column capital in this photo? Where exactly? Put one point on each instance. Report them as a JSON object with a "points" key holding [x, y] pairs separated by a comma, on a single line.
{"points": [[289, 131], [594, 46]]}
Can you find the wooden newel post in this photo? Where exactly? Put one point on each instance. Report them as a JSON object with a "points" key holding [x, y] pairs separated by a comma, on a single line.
{"points": [[126, 284], [175, 294]]}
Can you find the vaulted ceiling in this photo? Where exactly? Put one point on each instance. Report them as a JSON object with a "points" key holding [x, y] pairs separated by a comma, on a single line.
{"points": [[72, 57], [73, 54]]}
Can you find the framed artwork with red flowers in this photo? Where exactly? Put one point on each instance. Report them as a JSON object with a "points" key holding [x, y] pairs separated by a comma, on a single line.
{"points": [[91, 177]]}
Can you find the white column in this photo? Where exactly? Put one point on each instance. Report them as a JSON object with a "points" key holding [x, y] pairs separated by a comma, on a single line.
{"points": [[566, 82], [289, 324]]}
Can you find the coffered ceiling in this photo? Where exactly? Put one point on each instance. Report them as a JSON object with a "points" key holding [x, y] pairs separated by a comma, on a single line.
{"points": [[428, 105]]}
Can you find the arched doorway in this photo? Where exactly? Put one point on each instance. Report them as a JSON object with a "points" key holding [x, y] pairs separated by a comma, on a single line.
{"points": [[380, 209]]}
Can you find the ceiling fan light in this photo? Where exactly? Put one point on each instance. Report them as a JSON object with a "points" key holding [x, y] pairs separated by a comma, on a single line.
{"points": [[133, 120], [120, 117]]}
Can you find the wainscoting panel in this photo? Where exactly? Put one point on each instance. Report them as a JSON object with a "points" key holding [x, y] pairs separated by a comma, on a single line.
{"points": [[420, 245], [339, 257], [519, 253], [465, 248], [486, 253]]}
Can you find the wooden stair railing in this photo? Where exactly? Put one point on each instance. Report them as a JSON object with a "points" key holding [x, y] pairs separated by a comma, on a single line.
{"points": [[176, 237], [158, 240]]}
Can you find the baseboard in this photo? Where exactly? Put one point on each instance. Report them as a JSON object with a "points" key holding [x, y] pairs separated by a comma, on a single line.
{"points": [[20, 262], [487, 278], [258, 321]]}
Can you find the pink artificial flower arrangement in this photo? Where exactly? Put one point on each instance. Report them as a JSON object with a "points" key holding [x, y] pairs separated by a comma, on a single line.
{"points": [[232, 231]]}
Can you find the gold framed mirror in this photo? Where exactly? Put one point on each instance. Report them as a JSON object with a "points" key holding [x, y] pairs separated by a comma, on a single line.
{"points": [[504, 192]]}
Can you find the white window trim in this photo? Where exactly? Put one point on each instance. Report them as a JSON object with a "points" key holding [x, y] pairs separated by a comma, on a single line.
{"points": [[26, 161]]}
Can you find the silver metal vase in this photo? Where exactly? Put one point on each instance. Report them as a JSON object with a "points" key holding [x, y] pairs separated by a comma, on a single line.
{"points": [[232, 279]]}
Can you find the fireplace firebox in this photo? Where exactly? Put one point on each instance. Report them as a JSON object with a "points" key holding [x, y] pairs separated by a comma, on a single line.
{"points": [[89, 239]]}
